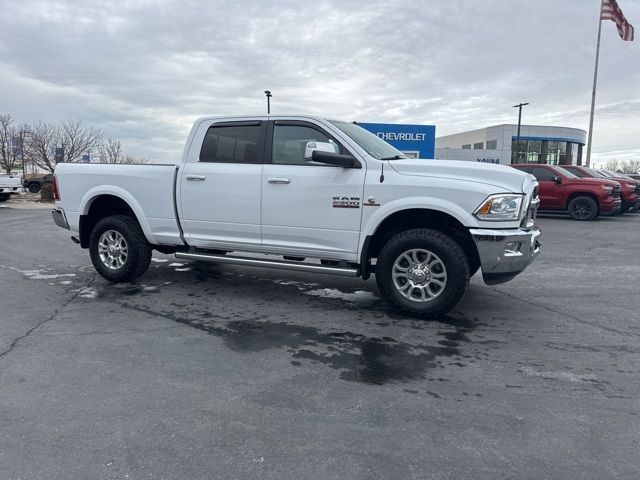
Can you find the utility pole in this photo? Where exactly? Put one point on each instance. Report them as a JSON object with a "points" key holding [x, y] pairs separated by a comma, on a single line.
{"points": [[519, 107], [268, 94]]}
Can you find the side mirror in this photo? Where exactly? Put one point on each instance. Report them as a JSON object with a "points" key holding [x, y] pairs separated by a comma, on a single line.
{"points": [[344, 161], [318, 147], [557, 180]]}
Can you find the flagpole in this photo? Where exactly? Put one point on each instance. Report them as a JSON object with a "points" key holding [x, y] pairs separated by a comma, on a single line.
{"points": [[593, 93]]}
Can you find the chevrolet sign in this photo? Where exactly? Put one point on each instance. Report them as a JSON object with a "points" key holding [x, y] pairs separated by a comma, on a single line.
{"points": [[418, 140]]}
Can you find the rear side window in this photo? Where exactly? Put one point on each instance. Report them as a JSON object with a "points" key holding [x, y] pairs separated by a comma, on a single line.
{"points": [[232, 144], [543, 174]]}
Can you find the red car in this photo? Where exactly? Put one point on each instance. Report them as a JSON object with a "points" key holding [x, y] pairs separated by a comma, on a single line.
{"points": [[630, 188], [582, 198]]}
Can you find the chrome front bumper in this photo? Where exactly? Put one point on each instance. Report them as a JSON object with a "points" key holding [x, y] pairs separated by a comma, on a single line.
{"points": [[60, 218], [505, 253]]}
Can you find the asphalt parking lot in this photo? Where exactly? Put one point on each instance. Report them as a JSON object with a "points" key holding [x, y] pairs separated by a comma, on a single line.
{"points": [[204, 371]]}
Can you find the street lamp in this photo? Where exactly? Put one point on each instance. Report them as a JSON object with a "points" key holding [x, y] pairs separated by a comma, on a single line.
{"points": [[268, 94], [519, 107]]}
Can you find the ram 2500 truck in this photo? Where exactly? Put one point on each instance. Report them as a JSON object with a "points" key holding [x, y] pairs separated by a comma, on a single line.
{"points": [[315, 195]]}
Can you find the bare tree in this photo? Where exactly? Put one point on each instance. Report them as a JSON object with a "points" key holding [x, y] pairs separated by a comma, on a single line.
{"points": [[41, 145], [612, 165], [630, 166], [111, 151], [12, 141], [78, 138]]}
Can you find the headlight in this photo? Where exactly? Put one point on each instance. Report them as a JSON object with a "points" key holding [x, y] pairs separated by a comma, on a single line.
{"points": [[503, 207], [607, 189], [629, 186]]}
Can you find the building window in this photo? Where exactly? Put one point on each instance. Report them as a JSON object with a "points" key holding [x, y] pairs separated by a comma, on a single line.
{"points": [[467, 146], [478, 146], [492, 144], [526, 151]]}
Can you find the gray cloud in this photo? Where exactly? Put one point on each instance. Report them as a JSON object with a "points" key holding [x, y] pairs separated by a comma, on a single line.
{"points": [[144, 70]]}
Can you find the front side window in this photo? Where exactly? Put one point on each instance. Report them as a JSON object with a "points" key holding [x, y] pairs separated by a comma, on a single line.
{"points": [[232, 144], [370, 143], [290, 142], [543, 174]]}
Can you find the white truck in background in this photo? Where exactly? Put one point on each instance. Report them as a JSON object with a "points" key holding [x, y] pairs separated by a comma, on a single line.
{"points": [[10, 184], [323, 196]]}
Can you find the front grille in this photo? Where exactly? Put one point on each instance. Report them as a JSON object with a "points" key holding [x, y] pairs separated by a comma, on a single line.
{"points": [[637, 190], [532, 211], [616, 192]]}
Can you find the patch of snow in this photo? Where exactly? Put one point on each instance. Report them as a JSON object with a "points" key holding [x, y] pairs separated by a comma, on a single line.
{"points": [[65, 282], [185, 269], [159, 260], [88, 292], [359, 296], [566, 376], [39, 274], [176, 264]]}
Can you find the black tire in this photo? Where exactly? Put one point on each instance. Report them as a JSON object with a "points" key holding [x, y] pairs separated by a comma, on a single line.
{"points": [[451, 257], [4, 197], [34, 187], [138, 249], [583, 208]]}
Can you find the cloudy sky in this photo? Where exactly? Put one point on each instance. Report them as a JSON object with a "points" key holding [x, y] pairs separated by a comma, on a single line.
{"points": [[144, 70]]}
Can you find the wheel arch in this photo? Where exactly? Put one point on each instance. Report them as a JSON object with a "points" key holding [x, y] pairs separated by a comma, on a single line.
{"points": [[98, 204], [593, 196], [409, 218]]}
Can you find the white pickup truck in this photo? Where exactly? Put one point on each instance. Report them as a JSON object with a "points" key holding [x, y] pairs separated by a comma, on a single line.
{"points": [[9, 185], [308, 194]]}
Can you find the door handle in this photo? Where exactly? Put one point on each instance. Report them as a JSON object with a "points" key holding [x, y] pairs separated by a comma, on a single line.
{"points": [[195, 178], [278, 180]]}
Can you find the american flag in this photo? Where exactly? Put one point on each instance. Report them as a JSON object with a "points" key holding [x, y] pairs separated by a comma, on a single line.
{"points": [[611, 11]]}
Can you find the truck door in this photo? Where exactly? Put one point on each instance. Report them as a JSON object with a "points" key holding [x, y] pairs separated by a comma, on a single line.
{"points": [[219, 185], [550, 193], [309, 207]]}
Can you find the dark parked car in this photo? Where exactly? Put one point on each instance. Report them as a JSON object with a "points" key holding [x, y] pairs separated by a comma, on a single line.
{"points": [[630, 192], [34, 184], [582, 198]]}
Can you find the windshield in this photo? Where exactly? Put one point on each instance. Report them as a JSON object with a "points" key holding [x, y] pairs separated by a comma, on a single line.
{"points": [[564, 172], [604, 173], [370, 143]]}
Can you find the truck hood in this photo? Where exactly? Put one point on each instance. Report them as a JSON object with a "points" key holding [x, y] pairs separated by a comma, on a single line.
{"points": [[500, 176], [595, 181]]}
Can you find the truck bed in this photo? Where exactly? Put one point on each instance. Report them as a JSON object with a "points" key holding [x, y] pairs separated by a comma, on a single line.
{"points": [[148, 189]]}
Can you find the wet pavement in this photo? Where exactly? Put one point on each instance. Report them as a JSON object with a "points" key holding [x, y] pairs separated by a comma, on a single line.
{"points": [[207, 371]]}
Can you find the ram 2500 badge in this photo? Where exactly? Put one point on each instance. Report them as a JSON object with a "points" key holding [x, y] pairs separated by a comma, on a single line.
{"points": [[317, 196]]}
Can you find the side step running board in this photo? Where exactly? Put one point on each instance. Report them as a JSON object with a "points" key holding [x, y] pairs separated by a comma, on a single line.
{"points": [[277, 264]]}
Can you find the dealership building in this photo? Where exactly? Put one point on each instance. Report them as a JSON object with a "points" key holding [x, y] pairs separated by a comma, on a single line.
{"points": [[497, 144], [501, 144]]}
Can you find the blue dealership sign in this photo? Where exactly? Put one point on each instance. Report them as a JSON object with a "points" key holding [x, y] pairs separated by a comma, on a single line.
{"points": [[413, 139]]}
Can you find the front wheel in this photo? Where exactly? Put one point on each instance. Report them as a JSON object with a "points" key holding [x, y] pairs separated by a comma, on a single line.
{"points": [[422, 272], [118, 248], [583, 208]]}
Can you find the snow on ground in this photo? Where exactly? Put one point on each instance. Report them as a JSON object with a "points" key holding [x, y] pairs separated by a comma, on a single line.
{"points": [[360, 296], [39, 274]]}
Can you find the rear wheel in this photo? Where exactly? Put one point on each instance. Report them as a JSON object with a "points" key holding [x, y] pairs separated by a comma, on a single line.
{"points": [[583, 208], [4, 197], [34, 187], [422, 272], [118, 248]]}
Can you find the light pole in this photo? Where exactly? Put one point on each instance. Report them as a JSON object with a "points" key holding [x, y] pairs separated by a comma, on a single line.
{"points": [[519, 107], [268, 94]]}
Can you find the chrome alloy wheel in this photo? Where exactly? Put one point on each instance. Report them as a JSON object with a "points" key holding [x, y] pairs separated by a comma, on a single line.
{"points": [[419, 275], [113, 250]]}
